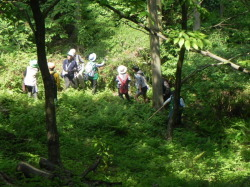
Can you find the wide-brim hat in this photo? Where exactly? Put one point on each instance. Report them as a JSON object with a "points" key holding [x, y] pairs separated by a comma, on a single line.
{"points": [[92, 57], [122, 69], [51, 65], [71, 53], [33, 63]]}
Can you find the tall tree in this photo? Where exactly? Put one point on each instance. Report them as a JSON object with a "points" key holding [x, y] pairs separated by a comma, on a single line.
{"points": [[175, 120], [154, 24], [39, 32], [37, 24], [197, 17]]}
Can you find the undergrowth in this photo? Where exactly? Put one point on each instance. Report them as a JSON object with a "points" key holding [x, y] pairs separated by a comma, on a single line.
{"points": [[133, 150]]}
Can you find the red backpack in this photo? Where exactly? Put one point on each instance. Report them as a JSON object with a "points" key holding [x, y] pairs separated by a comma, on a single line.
{"points": [[124, 84]]}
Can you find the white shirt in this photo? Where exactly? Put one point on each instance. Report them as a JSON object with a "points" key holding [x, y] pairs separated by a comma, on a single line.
{"points": [[30, 77]]}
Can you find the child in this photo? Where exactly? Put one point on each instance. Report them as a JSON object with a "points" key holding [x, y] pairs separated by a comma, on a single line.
{"points": [[123, 80]]}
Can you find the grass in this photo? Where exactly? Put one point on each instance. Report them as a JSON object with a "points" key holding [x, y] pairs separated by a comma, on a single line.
{"points": [[134, 150]]}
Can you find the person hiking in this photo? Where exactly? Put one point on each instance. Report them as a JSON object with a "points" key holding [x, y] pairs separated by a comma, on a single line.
{"points": [[141, 84], [30, 79], [123, 80], [171, 106], [55, 79], [78, 75], [91, 71], [166, 89], [69, 69]]}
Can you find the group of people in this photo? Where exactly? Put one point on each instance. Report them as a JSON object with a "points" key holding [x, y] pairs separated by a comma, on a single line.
{"points": [[123, 79], [75, 72]]}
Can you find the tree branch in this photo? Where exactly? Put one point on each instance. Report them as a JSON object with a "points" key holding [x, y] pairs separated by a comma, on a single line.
{"points": [[121, 15], [46, 12], [235, 16], [92, 167], [224, 61]]}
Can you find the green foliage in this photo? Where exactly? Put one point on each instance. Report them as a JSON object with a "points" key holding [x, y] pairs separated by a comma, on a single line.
{"points": [[189, 40]]}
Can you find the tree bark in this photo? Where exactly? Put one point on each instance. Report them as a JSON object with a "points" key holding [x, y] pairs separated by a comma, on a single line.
{"points": [[52, 133], [197, 18], [175, 120], [30, 171], [155, 54], [223, 60]]}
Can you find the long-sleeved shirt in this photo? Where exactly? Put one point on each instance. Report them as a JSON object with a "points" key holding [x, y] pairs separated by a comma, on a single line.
{"points": [[140, 81], [30, 76], [69, 67]]}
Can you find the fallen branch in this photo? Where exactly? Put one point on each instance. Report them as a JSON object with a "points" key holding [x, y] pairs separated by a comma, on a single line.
{"points": [[224, 61], [92, 167], [6, 179], [30, 171]]}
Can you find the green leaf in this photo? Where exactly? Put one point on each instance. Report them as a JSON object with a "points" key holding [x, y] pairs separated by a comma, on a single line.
{"points": [[176, 40], [194, 45], [200, 43], [187, 44], [185, 36], [181, 42]]}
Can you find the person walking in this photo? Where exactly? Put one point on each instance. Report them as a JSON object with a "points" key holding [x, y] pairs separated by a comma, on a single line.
{"points": [[171, 107], [30, 79], [78, 75], [91, 71], [141, 84], [123, 79], [69, 69], [55, 79]]}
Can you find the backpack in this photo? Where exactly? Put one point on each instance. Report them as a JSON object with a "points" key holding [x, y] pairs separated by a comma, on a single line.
{"points": [[53, 80], [124, 85], [90, 69]]}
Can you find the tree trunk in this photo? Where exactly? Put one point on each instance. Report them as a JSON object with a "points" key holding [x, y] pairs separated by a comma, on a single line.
{"points": [[155, 54], [175, 120], [222, 8], [197, 18], [52, 133]]}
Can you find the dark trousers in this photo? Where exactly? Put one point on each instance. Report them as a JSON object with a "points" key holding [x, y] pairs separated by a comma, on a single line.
{"points": [[93, 85], [121, 95], [69, 82]]}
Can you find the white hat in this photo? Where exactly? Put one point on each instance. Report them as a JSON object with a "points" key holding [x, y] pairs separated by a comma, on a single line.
{"points": [[71, 52], [51, 65], [122, 69], [92, 57], [33, 63]]}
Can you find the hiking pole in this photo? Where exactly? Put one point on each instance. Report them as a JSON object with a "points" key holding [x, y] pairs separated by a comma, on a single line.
{"points": [[166, 102], [156, 112]]}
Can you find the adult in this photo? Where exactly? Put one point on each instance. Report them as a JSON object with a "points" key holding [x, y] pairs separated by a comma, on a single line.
{"points": [[30, 78], [78, 76], [69, 69], [123, 80], [91, 71], [165, 89], [141, 84], [55, 79], [171, 106]]}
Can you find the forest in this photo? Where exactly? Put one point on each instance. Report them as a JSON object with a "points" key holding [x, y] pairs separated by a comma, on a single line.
{"points": [[202, 49]]}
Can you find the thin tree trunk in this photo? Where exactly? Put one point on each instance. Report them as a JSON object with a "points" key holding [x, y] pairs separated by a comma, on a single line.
{"points": [[52, 133], [197, 18], [155, 54], [174, 120]]}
